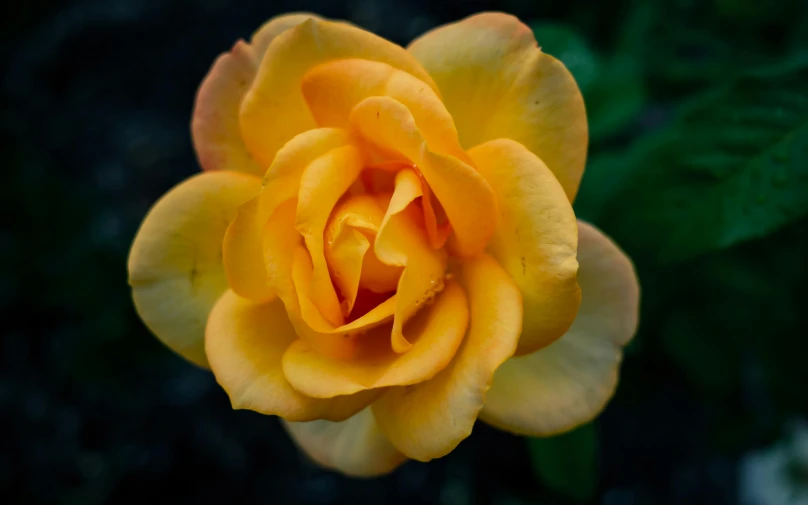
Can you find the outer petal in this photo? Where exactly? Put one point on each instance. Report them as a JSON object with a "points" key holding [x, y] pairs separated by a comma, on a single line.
{"points": [[175, 265], [496, 83], [215, 127], [468, 200], [437, 333], [274, 110], [428, 420], [536, 239], [245, 342], [354, 447], [569, 382]]}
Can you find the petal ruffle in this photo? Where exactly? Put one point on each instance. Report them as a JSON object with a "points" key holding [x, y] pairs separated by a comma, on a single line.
{"points": [[536, 239], [497, 83], [568, 383], [175, 265], [428, 420]]}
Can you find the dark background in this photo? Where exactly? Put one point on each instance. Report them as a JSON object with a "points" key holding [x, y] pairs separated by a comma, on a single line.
{"points": [[698, 167]]}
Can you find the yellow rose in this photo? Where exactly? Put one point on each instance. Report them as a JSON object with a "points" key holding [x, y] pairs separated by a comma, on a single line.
{"points": [[382, 246]]}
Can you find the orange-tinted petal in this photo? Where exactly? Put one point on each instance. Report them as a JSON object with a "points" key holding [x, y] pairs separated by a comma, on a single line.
{"points": [[351, 260], [333, 89], [245, 341], [243, 257], [569, 382], [401, 242], [215, 125], [322, 184], [468, 200], [428, 420], [244, 242], [345, 254], [436, 332], [497, 83], [175, 265], [354, 447], [536, 240], [319, 333], [280, 241], [274, 110]]}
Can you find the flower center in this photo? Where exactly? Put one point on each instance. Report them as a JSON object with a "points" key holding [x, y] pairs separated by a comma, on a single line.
{"points": [[384, 239]]}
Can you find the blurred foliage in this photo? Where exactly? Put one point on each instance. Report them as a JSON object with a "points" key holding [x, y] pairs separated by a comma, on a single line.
{"points": [[568, 463], [698, 114], [698, 167], [731, 168]]}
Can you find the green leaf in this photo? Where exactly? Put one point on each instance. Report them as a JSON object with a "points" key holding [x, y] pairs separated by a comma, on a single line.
{"points": [[733, 167], [567, 463]]}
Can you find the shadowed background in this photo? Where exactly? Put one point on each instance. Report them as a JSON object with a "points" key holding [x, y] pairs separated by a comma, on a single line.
{"points": [[698, 167]]}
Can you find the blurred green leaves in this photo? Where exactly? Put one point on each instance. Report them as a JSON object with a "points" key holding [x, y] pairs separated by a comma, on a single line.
{"points": [[698, 167], [568, 463], [732, 167]]}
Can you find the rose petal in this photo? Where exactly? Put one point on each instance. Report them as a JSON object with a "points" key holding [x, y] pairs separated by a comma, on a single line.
{"points": [[428, 420], [175, 265], [468, 200], [244, 241], [245, 342], [215, 125], [536, 240], [401, 242], [496, 83], [569, 382], [351, 260], [436, 333], [319, 333], [345, 253], [274, 110], [354, 447], [333, 89], [322, 184]]}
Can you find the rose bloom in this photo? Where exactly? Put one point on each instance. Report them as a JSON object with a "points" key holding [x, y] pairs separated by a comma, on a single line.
{"points": [[381, 247]]}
